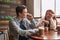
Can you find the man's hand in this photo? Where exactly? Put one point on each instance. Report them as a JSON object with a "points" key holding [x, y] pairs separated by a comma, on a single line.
{"points": [[29, 16]]}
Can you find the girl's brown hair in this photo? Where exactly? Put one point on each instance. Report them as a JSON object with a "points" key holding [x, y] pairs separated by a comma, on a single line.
{"points": [[52, 13]]}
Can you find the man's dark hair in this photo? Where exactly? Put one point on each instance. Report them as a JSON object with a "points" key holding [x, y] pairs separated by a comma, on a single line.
{"points": [[19, 9]]}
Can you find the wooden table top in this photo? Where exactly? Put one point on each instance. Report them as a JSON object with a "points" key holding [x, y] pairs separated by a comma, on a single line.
{"points": [[47, 35]]}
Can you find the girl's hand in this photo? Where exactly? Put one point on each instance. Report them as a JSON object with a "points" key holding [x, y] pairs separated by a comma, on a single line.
{"points": [[45, 21]]}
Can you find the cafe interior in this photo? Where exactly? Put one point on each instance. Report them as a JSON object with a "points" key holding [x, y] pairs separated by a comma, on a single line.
{"points": [[38, 10]]}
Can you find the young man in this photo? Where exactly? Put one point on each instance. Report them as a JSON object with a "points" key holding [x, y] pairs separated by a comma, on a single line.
{"points": [[18, 26]]}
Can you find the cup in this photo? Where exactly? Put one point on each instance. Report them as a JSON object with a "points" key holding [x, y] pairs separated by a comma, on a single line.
{"points": [[46, 29], [41, 31], [58, 28]]}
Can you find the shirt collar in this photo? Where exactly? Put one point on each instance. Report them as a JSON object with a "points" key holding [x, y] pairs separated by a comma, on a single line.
{"points": [[18, 19]]}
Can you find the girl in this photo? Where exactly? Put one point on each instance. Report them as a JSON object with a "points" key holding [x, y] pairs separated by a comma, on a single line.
{"points": [[49, 21]]}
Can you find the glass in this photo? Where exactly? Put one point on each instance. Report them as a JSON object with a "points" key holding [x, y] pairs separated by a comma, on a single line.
{"points": [[58, 27], [41, 31], [46, 29]]}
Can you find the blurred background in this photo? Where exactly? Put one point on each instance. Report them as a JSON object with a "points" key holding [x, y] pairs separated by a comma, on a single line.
{"points": [[36, 7]]}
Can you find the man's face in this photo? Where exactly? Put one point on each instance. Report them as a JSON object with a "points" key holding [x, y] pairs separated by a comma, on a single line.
{"points": [[23, 14]]}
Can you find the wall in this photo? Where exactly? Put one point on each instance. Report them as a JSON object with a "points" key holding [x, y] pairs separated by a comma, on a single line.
{"points": [[30, 6]]}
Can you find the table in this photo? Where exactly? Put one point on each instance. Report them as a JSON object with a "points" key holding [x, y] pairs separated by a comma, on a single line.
{"points": [[49, 35]]}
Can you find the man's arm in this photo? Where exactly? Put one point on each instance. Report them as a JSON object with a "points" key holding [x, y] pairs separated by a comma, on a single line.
{"points": [[33, 23], [23, 32], [30, 23]]}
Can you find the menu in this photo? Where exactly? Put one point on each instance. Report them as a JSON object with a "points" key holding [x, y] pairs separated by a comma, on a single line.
{"points": [[7, 9]]}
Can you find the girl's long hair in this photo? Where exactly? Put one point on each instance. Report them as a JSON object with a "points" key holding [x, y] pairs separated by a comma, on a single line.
{"points": [[54, 18]]}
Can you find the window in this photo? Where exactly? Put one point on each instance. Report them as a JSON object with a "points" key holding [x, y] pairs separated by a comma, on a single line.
{"points": [[47, 4], [58, 8], [36, 8], [40, 7]]}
